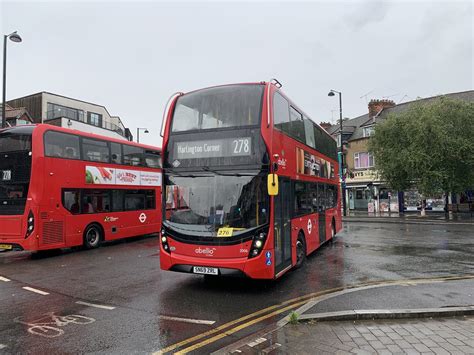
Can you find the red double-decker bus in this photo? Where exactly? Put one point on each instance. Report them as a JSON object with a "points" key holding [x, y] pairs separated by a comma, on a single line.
{"points": [[251, 183], [62, 188]]}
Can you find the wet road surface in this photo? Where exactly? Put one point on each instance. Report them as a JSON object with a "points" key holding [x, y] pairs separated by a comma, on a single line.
{"points": [[115, 299]]}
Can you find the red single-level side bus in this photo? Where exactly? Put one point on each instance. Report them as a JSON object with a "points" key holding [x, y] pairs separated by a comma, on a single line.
{"points": [[62, 188], [251, 183]]}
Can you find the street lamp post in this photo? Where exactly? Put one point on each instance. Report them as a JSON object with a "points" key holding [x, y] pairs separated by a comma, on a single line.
{"points": [[14, 37], [341, 151], [138, 133]]}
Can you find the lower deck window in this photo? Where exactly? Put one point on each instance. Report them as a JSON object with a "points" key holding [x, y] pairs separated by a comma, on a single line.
{"points": [[83, 201]]}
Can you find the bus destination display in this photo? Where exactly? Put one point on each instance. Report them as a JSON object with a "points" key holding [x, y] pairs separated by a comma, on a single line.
{"points": [[215, 148]]}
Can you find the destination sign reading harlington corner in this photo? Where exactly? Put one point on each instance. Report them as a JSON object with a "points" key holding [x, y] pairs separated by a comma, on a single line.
{"points": [[213, 148]]}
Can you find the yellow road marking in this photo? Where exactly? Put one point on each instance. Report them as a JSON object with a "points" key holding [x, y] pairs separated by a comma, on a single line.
{"points": [[240, 327], [299, 301], [244, 318]]}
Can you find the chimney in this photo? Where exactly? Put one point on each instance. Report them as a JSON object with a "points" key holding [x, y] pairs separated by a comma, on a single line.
{"points": [[325, 125], [375, 106]]}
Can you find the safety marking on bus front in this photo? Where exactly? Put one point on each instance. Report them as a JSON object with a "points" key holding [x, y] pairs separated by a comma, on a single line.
{"points": [[35, 290], [4, 279], [188, 320], [101, 306]]}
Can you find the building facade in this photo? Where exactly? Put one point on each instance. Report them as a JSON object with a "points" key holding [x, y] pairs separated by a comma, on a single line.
{"points": [[15, 116], [58, 110], [365, 190]]}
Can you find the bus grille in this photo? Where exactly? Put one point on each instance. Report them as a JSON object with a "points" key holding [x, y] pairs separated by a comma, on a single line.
{"points": [[44, 215], [53, 232]]}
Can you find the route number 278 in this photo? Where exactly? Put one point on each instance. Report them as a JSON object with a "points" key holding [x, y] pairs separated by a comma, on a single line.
{"points": [[241, 145]]}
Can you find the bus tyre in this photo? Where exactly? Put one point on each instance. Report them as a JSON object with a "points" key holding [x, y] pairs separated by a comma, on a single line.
{"points": [[333, 230], [92, 236], [300, 251]]}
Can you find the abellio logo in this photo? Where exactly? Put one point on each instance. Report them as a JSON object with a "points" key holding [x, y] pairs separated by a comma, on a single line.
{"points": [[207, 251]]}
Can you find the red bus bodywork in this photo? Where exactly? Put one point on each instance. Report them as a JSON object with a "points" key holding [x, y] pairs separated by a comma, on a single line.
{"points": [[56, 227], [234, 259]]}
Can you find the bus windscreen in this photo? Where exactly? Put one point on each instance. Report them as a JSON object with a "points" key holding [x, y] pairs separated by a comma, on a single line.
{"points": [[202, 204], [219, 107]]}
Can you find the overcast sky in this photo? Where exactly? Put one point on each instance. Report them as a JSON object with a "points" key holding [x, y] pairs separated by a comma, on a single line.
{"points": [[131, 56]]}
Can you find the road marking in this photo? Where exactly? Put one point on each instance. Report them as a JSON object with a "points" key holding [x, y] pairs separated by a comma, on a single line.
{"points": [[35, 290], [270, 348], [4, 279], [293, 302], [2, 346], [95, 305], [188, 320], [256, 342], [216, 330], [238, 328]]}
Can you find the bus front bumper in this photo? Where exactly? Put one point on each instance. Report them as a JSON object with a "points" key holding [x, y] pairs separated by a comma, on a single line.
{"points": [[255, 268]]}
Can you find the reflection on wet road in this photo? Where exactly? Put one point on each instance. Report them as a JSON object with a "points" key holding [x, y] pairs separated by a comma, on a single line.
{"points": [[117, 299]]}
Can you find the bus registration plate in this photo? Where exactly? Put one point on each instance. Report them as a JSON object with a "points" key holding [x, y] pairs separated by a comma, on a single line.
{"points": [[205, 270], [6, 246]]}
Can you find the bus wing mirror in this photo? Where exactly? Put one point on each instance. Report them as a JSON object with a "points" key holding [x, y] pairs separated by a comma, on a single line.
{"points": [[272, 184]]}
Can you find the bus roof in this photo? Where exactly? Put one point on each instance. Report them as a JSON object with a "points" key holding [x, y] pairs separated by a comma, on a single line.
{"points": [[276, 88], [46, 127]]}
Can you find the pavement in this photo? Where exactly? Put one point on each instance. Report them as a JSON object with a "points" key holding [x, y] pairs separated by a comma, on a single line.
{"points": [[407, 317], [436, 218]]}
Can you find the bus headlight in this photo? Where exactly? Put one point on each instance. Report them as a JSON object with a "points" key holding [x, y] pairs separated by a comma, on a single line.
{"points": [[164, 241], [30, 224], [257, 244]]}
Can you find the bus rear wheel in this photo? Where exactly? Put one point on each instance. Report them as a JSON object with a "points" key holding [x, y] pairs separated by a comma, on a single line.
{"points": [[92, 236], [300, 251]]}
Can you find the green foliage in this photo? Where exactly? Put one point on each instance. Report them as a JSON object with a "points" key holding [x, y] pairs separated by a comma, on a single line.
{"points": [[429, 145], [294, 317]]}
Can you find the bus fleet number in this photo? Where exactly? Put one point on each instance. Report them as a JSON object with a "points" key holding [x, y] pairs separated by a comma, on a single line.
{"points": [[241, 145]]}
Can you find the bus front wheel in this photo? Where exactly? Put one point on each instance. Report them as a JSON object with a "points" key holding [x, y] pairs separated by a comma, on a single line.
{"points": [[300, 251], [92, 236]]}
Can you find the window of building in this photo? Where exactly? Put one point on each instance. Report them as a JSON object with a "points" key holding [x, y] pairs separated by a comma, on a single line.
{"points": [[95, 150], [61, 145], [368, 131], [132, 155], [94, 119], [58, 111], [363, 160]]}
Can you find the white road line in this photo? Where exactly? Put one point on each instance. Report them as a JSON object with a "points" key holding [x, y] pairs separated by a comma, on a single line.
{"points": [[95, 305], [35, 290], [256, 342], [2, 346], [188, 320], [4, 279]]}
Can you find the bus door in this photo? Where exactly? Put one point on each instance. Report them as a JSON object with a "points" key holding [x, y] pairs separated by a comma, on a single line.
{"points": [[282, 226], [322, 213]]}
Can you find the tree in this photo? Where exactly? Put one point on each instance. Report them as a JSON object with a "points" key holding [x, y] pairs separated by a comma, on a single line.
{"points": [[429, 145]]}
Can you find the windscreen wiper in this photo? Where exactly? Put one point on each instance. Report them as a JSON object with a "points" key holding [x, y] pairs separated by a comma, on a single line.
{"points": [[206, 168]]}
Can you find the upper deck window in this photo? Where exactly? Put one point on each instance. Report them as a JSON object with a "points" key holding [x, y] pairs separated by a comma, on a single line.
{"points": [[221, 107], [61, 145]]}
